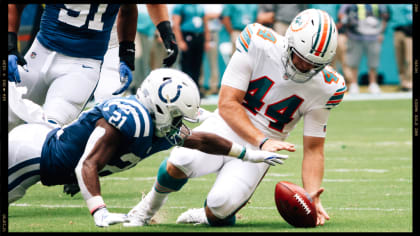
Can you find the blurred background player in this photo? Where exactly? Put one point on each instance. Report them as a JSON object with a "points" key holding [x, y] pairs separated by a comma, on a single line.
{"points": [[271, 83], [95, 144], [236, 16], [403, 43], [212, 13], [64, 62], [364, 25], [193, 37], [278, 16]]}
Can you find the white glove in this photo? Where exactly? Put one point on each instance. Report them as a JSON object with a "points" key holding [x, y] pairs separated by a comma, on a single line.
{"points": [[270, 158], [103, 218]]}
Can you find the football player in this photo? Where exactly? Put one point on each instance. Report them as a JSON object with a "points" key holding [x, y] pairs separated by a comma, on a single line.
{"points": [[61, 69], [97, 142], [270, 83]]}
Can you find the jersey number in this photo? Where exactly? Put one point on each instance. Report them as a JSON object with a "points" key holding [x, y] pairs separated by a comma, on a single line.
{"points": [[281, 112], [77, 14]]}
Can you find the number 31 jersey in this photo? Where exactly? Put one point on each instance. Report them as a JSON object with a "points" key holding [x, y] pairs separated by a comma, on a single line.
{"points": [[77, 30], [275, 104]]}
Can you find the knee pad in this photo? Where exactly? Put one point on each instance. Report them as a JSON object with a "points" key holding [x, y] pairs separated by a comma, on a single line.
{"points": [[165, 182], [230, 220]]}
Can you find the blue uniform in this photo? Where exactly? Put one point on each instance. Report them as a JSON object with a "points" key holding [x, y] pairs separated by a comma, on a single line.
{"points": [[64, 147], [77, 30]]}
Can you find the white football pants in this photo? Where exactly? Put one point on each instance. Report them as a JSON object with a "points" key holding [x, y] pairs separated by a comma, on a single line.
{"points": [[25, 146], [61, 84], [109, 80], [236, 179]]}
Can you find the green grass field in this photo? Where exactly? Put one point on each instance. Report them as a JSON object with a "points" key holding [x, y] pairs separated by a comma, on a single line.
{"points": [[368, 182]]}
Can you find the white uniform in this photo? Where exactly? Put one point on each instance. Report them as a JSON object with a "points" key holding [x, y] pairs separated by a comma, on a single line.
{"points": [[65, 59], [109, 80], [273, 104]]}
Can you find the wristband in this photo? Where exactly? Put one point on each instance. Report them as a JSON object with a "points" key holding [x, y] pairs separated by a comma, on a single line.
{"points": [[127, 53], [262, 142], [95, 203], [237, 151]]}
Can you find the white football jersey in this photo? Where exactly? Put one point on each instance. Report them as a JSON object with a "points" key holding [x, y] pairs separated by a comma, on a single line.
{"points": [[271, 100]]}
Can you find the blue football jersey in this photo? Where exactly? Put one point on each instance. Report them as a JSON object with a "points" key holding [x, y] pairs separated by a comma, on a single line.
{"points": [[77, 30], [64, 147]]}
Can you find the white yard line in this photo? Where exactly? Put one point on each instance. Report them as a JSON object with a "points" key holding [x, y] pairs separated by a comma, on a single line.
{"points": [[183, 207]]}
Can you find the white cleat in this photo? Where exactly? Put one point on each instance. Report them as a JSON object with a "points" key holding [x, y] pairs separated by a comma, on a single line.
{"points": [[193, 216], [138, 216]]}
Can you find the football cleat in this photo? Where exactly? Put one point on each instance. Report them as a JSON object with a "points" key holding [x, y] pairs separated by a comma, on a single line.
{"points": [[193, 216]]}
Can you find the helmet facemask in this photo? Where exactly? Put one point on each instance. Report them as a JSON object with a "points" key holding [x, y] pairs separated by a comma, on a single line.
{"points": [[293, 73]]}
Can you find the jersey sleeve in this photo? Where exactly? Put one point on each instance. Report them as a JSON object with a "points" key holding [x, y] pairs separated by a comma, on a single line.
{"points": [[249, 50], [129, 116], [334, 79]]}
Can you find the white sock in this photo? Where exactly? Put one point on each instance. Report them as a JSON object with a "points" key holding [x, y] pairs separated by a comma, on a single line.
{"points": [[155, 201]]}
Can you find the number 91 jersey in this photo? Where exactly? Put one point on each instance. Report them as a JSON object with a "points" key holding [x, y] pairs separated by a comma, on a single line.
{"points": [[77, 30], [275, 104], [64, 147]]}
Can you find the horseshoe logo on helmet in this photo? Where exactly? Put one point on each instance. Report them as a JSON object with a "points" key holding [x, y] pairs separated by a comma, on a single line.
{"points": [[165, 100]]}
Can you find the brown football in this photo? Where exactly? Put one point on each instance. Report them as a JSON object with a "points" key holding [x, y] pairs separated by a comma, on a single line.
{"points": [[295, 205]]}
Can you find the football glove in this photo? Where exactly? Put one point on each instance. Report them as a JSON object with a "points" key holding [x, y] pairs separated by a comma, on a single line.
{"points": [[103, 218], [125, 78], [168, 38], [71, 189], [126, 54], [270, 158], [14, 58]]}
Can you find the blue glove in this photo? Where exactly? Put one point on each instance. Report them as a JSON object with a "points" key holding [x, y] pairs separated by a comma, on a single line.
{"points": [[14, 58], [13, 72], [125, 77]]}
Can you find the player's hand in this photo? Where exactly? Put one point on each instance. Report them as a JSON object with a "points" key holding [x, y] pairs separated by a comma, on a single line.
{"points": [[322, 215], [125, 78], [14, 59], [273, 145], [270, 158], [168, 38], [71, 189], [103, 218]]}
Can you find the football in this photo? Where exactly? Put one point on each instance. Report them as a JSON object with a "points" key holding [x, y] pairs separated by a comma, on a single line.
{"points": [[295, 205]]}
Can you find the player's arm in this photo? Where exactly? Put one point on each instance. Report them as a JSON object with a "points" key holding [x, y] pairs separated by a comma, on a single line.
{"points": [[14, 14], [101, 146], [232, 111], [313, 157], [14, 57], [160, 17], [217, 145], [126, 31]]}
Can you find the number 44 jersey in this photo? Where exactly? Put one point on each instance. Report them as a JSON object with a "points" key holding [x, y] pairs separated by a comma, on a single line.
{"points": [[273, 103]]}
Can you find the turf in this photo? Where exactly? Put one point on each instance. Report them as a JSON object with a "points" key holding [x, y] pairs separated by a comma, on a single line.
{"points": [[368, 182]]}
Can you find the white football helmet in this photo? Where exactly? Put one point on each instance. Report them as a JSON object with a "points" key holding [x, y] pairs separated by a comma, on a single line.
{"points": [[312, 36], [170, 95]]}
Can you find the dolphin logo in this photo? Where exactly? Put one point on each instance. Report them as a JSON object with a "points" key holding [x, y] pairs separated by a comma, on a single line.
{"points": [[178, 92]]}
